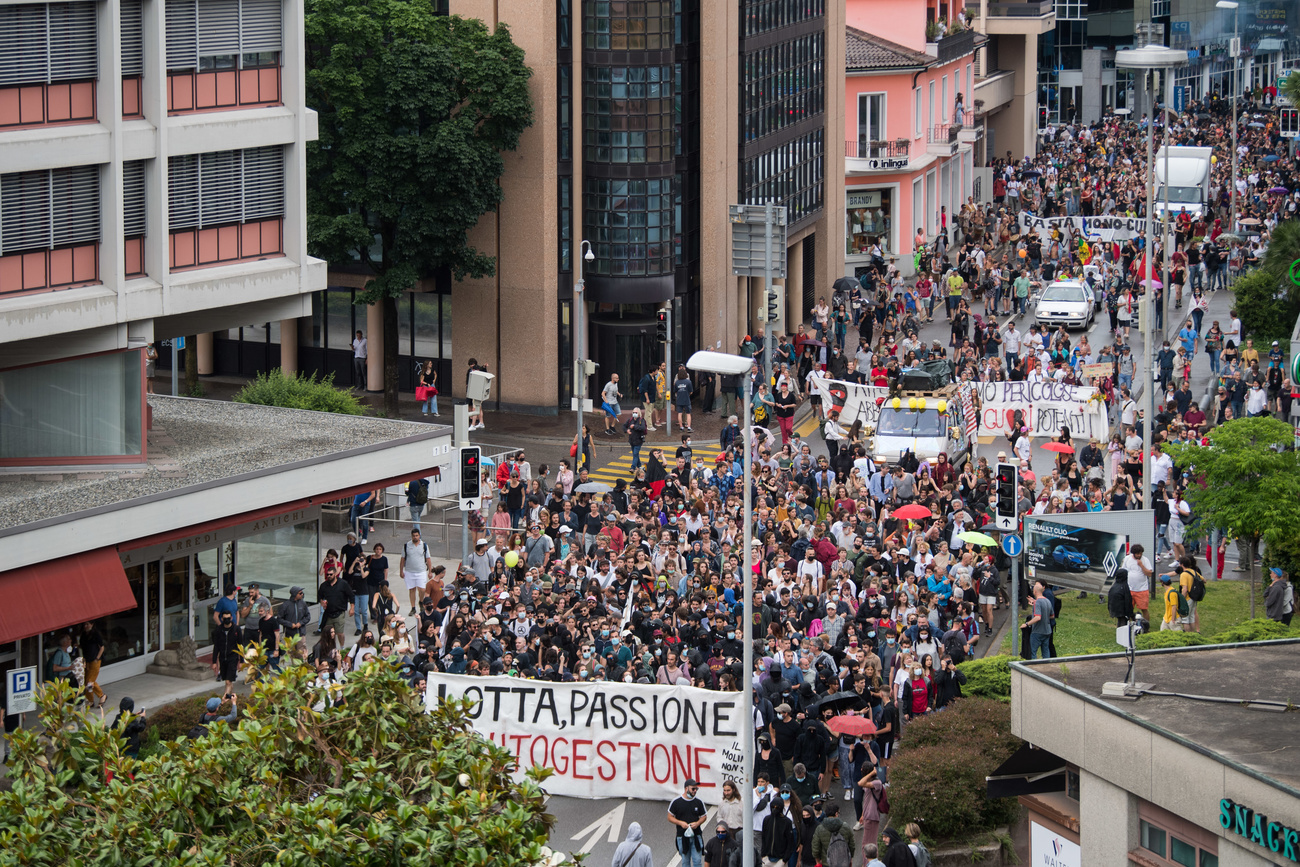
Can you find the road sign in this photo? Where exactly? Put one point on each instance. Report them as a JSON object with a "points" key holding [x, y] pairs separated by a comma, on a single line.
{"points": [[21, 689], [1180, 98], [1012, 545]]}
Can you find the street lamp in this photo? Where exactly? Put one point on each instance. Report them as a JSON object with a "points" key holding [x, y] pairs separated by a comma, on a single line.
{"points": [[579, 374], [1236, 53], [723, 364], [1150, 58]]}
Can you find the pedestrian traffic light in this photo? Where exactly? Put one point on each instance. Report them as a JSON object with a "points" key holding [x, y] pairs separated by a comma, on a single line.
{"points": [[773, 305], [471, 478], [661, 326], [1288, 122], [1008, 494]]}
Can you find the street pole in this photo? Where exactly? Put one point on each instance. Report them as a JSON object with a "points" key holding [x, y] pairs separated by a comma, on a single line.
{"points": [[668, 370], [747, 686], [173, 342], [579, 375], [1165, 252], [1148, 350], [768, 217], [460, 437], [1232, 193]]}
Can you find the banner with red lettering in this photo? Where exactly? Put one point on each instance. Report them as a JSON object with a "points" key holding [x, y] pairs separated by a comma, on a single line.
{"points": [[607, 740]]}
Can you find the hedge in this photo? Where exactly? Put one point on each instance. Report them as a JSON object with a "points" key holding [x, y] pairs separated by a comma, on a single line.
{"points": [[989, 677], [1259, 629], [300, 392], [938, 779]]}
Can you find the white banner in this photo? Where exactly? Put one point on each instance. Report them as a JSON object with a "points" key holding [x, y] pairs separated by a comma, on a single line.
{"points": [[1091, 228], [1044, 407], [853, 401], [607, 740]]}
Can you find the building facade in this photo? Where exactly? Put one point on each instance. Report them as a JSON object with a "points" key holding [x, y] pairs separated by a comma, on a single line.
{"points": [[912, 162]]}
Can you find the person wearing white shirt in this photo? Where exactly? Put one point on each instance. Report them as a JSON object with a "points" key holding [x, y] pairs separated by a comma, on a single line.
{"points": [[1024, 448], [1160, 468], [1139, 578], [811, 567]]}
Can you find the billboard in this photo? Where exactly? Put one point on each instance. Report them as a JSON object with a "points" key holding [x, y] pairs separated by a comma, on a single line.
{"points": [[1081, 551]]}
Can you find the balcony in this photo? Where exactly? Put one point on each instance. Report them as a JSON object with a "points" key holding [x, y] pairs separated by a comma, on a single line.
{"points": [[865, 157], [994, 91], [957, 45], [1020, 19], [943, 139]]}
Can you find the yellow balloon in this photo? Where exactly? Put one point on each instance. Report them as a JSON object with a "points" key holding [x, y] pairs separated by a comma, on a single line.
{"points": [[943, 406], [1214, 161], [511, 558], [911, 403], [896, 403]]}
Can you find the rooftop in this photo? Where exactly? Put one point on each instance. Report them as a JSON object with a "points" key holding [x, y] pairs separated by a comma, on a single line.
{"points": [[863, 51], [197, 446], [1233, 732]]}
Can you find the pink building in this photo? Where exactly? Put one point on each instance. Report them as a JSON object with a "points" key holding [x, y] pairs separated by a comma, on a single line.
{"points": [[909, 139]]}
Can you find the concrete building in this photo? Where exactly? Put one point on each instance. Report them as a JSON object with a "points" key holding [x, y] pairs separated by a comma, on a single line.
{"points": [[1194, 771], [1006, 73], [911, 163]]}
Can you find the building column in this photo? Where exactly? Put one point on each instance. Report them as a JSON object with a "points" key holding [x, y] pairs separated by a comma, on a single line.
{"points": [[794, 313], [1108, 820], [289, 346], [375, 348], [203, 344]]}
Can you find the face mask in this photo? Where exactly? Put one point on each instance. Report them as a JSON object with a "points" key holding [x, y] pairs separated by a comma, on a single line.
{"points": [[722, 835], [658, 652], [785, 796], [808, 605], [586, 654], [647, 609], [731, 636], [614, 641], [583, 674], [871, 634], [890, 641], [604, 633], [916, 672]]}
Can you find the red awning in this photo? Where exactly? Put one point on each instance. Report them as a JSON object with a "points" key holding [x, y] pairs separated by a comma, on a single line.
{"points": [[63, 592]]}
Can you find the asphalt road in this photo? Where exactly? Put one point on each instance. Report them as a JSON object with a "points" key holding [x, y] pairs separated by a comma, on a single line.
{"points": [[597, 827]]}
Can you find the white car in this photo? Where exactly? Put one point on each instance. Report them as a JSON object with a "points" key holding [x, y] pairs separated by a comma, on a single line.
{"points": [[1066, 302]]}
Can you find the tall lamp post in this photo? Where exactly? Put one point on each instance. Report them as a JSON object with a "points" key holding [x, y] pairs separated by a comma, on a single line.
{"points": [[722, 364], [1149, 59], [579, 308], [1236, 54]]}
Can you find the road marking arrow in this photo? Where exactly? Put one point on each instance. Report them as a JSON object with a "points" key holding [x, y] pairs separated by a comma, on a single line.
{"points": [[613, 820]]}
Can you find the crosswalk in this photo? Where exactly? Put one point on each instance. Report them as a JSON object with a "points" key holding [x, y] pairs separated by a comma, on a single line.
{"points": [[621, 466]]}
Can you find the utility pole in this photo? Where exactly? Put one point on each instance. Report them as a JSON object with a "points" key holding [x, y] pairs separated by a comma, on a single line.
{"points": [[579, 338], [1234, 48], [769, 339], [668, 370]]}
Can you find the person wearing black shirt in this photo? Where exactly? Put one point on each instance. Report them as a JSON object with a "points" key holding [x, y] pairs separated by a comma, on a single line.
{"points": [[785, 406], [687, 814], [334, 597], [92, 650]]}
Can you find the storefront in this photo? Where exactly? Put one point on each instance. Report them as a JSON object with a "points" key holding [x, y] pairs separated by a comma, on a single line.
{"points": [[1195, 768], [871, 217]]}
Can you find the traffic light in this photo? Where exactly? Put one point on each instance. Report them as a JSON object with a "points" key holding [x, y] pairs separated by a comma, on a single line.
{"points": [[661, 326], [773, 305], [471, 478], [1288, 122], [1008, 494]]}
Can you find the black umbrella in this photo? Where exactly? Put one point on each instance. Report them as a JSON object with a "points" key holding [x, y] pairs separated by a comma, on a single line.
{"points": [[1031, 173], [838, 701], [845, 284]]}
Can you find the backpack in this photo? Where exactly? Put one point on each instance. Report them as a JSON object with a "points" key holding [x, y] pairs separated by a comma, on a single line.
{"points": [[882, 802], [760, 413], [837, 853], [1197, 593], [1183, 608], [420, 495]]}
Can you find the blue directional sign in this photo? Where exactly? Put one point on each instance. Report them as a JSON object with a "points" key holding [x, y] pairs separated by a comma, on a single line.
{"points": [[1012, 545]]}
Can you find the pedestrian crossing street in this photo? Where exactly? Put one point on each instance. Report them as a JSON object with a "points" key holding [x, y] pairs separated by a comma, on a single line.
{"points": [[621, 467]]}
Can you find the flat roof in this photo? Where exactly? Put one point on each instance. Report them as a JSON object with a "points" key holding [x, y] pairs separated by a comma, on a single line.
{"points": [[197, 447], [1257, 739]]}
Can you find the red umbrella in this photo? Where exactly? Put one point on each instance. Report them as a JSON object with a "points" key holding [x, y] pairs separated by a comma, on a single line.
{"points": [[1063, 448], [857, 726], [912, 512]]}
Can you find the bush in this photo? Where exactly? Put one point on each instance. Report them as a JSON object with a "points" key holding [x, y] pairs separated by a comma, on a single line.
{"points": [[1155, 640], [1259, 629], [172, 721], [938, 780], [1267, 305], [989, 677], [300, 392]]}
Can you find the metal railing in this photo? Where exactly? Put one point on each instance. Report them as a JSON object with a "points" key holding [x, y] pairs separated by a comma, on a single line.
{"points": [[943, 133], [1021, 10], [956, 45], [867, 150]]}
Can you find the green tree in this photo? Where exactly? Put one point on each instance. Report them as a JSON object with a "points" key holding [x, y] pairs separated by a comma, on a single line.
{"points": [[415, 109], [1268, 298], [1291, 88], [1247, 484], [376, 781]]}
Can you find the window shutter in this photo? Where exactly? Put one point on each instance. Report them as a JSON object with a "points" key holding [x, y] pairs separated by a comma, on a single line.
{"points": [[221, 198], [263, 183], [261, 28], [183, 191], [133, 199], [25, 211], [218, 27], [182, 34], [132, 37], [76, 219], [24, 51], [74, 44]]}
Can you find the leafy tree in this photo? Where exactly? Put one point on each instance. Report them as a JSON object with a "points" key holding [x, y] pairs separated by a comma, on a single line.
{"points": [[376, 781], [415, 109], [1267, 308], [1247, 484], [1291, 88]]}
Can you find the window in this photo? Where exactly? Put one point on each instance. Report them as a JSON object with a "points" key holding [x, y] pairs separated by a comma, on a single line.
{"points": [[628, 114], [628, 25], [782, 84], [132, 38], [41, 43], [29, 218], [133, 198], [223, 34], [630, 224], [226, 187], [916, 113], [930, 123], [1160, 8], [943, 101], [1153, 839], [871, 119]]}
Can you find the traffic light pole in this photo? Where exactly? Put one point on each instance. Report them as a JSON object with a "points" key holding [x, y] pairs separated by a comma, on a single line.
{"points": [[460, 433], [769, 216], [668, 369]]}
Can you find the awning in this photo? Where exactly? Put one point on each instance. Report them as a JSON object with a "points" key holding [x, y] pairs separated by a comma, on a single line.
{"points": [[1029, 771], [1270, 45], [62, 592]]}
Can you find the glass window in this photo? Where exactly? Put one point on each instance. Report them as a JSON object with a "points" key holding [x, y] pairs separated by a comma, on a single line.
{"points": [[404, 330], [870, 219], [123, 633], [871, 120], [445, 331], [81, 408], [176, 601], [1181, 852], [1153, 839], [916, 111], [339, 329], [427, 322], [1208, 860], [279, 559]]}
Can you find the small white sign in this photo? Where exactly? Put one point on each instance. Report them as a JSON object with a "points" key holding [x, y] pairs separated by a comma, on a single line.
{"points": [[21, 689], [1049, 849]]}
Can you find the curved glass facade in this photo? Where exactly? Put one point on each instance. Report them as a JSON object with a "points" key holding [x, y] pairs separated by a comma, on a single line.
{"points": [[627, 114], [630, 225], [628, 25]]}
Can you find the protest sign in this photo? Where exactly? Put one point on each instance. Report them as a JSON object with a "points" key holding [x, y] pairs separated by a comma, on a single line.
{"points": [[1043, 407], [1102, 368], [606, 740], [1091, 228], [854, 402]]}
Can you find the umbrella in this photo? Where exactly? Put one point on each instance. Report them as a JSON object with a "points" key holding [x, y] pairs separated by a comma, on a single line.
{"points": [[1277, 190], [1154, 282], [855, 726], [1271, 158], [1031, 173], [1123, 112], [838, 701], [1231, 238], [913, 511], [844, 284], [1063, 448], [812, 342], [973, 538], [1255, 125], [1249, 221], [593, 488], [487, 461]]}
